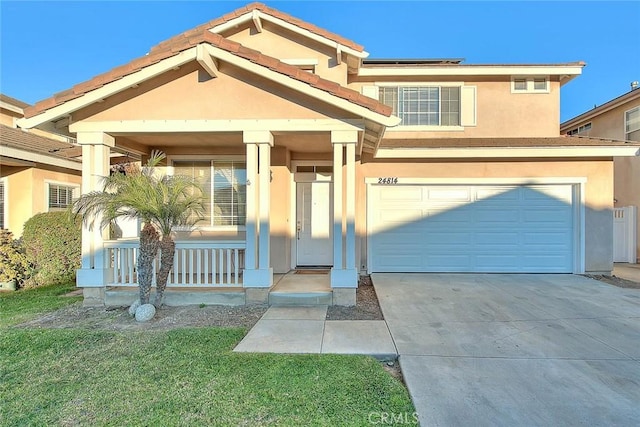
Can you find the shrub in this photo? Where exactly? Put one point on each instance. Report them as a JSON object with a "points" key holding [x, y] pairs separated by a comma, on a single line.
{"points": [[13, 261], [52, 242]]}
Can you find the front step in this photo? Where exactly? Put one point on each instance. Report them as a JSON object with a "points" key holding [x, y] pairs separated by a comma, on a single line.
{"points": [[173, 298], [300, 298]]}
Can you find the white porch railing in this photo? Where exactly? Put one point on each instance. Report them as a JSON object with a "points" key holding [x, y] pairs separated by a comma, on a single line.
{"points": [[196, 263]]}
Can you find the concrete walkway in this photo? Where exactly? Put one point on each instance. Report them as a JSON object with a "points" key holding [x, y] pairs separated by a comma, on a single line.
{"points": [[515, 350], [305, 330], [627, 271]]}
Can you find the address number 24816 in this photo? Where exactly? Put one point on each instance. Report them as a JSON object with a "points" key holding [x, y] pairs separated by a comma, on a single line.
{"points": [[388, 180]]}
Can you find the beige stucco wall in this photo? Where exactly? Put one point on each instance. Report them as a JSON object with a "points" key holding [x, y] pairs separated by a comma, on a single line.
{"points": [[189, 93], [283, 44], [7, 117], [26, 191], [598, 197], [499, 113], [610, 124]]}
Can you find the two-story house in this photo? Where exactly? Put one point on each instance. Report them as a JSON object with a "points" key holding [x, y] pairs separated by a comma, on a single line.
{"points": [[619, 120], [314, 155], [39, 170]]}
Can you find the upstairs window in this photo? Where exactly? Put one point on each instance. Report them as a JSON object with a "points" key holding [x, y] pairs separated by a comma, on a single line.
{"points": [[224, 184], [61, 196], [580, 129], [423, 105], [530, 85], [632, 124]]}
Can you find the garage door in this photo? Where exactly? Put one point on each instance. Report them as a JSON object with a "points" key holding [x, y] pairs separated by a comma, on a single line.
{"points": [[477, 228]]}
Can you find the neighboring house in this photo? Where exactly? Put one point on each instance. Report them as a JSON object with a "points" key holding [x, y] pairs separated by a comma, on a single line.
{"points": [[39, 171], [619, 120], [314, 155]]}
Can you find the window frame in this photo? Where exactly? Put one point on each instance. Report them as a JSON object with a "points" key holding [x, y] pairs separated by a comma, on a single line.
{"points": [[624, 125], [579, 130], [431, 128], [530, 84], [47, 192], [210, 158]]}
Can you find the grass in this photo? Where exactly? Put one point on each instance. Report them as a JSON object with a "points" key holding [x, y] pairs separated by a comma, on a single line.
{"points": [[178, 377], [22, 305]]}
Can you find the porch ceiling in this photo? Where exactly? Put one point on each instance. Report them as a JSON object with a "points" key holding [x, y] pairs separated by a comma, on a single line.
{"points": [[302, 142]]}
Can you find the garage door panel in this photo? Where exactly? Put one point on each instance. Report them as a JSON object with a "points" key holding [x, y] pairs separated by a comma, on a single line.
{"points": [[547, 238], [402, 194], [496, 237], [549, 217], [508, 215], [493, 228], [452, 262], [449, 194]]}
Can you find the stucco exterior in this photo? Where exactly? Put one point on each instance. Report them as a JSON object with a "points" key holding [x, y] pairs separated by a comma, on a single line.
{"points": [[235, 96], [25, 181], [608, 121]]}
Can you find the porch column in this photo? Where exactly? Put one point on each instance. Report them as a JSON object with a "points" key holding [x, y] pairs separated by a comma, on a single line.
{"points": [[96, 149], [344, 273], [258, 272]]}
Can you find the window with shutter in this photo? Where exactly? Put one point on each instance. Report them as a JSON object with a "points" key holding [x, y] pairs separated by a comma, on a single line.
{"points": [[423, 105]]}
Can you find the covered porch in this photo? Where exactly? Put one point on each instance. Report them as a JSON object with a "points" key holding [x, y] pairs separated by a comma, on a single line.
{"points": [[284, 185]]}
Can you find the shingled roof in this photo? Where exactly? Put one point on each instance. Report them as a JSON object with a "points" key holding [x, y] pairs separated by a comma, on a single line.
{"points": [[28, 141], [269, 11], [190, 39]]}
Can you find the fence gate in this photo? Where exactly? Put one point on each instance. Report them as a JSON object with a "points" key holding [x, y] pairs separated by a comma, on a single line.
{"points": [[625, 234]]}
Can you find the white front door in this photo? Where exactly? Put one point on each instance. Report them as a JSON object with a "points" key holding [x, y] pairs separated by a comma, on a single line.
{"points": [[313, 226]]}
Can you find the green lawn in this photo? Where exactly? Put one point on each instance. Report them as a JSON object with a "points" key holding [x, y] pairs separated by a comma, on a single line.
{"points": [[22, 305], [179, 377]]}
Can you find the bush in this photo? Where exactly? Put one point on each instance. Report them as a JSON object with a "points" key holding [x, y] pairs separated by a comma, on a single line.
{"points": [[52, 242], [13, 261]]}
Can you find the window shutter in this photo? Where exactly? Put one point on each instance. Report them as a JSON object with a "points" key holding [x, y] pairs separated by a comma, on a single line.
{"points": [[468, 105], [370, 91]]}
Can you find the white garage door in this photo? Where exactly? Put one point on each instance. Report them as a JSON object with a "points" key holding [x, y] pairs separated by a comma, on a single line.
{"points": [[472, 228]]}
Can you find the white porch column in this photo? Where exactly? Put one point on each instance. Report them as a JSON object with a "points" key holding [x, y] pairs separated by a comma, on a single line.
{"points": [[344, 273], [96, 149], [258, 272]]}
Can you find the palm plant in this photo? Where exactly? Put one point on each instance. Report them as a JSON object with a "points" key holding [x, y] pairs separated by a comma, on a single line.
{"points": [[162, 202]]}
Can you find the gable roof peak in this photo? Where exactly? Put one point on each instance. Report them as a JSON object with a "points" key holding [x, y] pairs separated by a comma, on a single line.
{"points": [[261, 7]]}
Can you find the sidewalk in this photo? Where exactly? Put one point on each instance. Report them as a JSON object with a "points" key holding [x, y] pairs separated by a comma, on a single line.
{"points": [[304, 330]]}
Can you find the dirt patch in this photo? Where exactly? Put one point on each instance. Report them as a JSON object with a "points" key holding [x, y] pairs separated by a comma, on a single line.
{"points": [[615, 281], [117, 319], [366, 308], [393, 368]]}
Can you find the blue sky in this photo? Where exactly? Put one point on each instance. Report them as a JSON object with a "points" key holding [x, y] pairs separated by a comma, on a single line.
{"points": [[47, 47]]}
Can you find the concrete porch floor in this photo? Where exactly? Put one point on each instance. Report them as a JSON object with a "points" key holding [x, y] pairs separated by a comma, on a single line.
{"points": [[301, 289]]}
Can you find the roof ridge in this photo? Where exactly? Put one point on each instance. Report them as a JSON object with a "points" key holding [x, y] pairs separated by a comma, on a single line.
{"points": [[269, 11], [184, 42]]}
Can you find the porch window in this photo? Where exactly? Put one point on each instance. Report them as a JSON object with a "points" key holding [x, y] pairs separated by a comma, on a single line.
{"points": [[224, 184], [423, 105]]}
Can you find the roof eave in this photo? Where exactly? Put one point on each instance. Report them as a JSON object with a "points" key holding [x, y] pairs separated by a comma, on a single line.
{"points": [[508, 152], [251, 16], [607, 106]]}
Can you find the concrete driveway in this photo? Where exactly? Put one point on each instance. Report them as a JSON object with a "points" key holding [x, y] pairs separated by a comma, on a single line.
{"points": [[514, 350]]}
